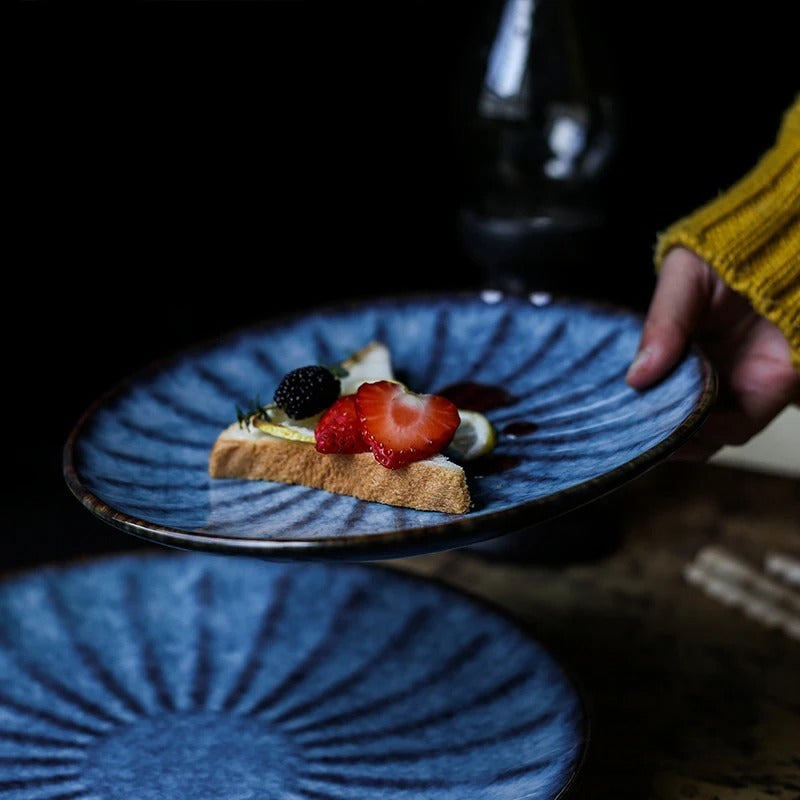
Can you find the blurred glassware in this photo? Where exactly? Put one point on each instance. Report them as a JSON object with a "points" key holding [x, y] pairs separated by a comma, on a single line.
{"points": [[539, 134]]}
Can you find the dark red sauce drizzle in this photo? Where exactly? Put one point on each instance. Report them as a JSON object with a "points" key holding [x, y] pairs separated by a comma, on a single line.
{"points": [[477, 396], [474, 396], [521, 427]]}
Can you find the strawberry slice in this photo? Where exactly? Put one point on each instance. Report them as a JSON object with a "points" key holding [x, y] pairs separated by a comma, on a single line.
{"points": [[339, 429], [401, 426]]}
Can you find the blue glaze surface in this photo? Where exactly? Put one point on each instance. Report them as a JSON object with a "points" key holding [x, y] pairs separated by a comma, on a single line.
{"points": [[139, 457], [192, 675]]}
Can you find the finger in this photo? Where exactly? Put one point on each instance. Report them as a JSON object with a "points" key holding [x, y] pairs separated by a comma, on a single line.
{"points": [[762, 389], [763, 393], [681, 295]]}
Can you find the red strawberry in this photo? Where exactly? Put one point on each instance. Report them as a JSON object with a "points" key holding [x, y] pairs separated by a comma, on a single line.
{"points": [[401, 426], [338, 429]]}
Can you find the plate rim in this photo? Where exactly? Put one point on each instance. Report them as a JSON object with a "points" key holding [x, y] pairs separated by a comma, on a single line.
{"points": [[455, 532]]}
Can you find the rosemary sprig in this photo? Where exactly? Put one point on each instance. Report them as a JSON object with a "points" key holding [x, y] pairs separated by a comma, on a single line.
{"points": [[255, 410]]}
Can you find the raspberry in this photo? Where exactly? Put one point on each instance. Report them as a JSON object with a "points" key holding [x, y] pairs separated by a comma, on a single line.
{"points": [[306, 391]]}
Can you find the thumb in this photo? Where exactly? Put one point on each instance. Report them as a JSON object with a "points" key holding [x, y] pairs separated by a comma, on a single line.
{"points": [[682, 294]]}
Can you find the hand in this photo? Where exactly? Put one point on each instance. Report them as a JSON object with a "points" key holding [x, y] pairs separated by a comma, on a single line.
{"points": [[751, 356]]}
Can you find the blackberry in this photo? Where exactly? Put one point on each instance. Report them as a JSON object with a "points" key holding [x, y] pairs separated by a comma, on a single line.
{"points": [[306, 391]]}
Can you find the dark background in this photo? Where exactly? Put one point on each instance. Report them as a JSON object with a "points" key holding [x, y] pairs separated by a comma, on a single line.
{"points": [[181, 169]]}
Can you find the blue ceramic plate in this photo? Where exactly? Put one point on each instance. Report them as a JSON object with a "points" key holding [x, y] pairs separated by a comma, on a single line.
{"points": [[549, 375], [190, 675]]}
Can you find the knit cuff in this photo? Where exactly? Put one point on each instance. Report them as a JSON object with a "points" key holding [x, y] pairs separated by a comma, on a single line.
{"points": [[751, 234]]}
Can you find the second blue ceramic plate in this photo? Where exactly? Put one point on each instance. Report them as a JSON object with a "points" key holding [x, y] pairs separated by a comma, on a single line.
{"points": [[549, 374], [187, 676]]}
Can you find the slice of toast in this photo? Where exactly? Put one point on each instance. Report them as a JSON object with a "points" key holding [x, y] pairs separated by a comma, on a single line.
{"points": [[432, 484]]}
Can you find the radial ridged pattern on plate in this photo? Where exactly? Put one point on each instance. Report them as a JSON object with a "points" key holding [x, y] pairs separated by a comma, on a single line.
{"points": [[213, 678], [570, 430]]}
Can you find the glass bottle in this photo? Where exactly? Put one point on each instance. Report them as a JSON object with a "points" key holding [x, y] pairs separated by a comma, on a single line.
{"points": [[538, 139]]}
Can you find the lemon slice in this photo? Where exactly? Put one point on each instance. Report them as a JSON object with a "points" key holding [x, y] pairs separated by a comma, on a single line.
{"points": [[284, 427], [282, 430], [474, 437]]}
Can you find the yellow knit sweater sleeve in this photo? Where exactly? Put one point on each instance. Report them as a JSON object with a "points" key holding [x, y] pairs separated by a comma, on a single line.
{"points": [[750, 234]]}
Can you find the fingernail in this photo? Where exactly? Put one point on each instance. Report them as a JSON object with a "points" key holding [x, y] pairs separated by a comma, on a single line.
{"points": [[642, 357]]}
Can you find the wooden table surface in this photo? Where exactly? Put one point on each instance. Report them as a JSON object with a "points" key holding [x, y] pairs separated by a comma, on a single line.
{"points": [[687, 697]]}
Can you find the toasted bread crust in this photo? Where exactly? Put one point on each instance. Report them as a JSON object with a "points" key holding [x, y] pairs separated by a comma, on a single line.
{"points": [[428, 485]]}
